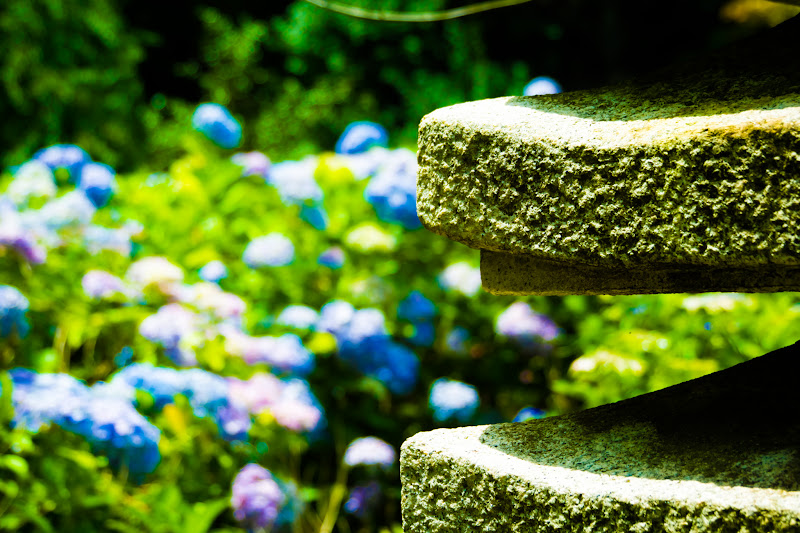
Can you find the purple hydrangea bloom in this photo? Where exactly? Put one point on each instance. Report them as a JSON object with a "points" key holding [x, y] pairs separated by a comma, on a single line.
{"points": [[295, 181], [213, 271], [99, 285], [452, 400], [218, 125], [360, 136], [256, 497], [66, 156], [520, 323], [290, 401], [415, 307], [332, 258], [13, 306], [97, 181], [370, 451], [271, 250], [461, 277], [457, 339], [298, 316], [393, 190], [541, 85], [529, 413], [362, 499], [252, 163]]}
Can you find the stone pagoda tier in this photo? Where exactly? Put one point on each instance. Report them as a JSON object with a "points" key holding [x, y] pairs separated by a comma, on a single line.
{"points": [[688, 181]]}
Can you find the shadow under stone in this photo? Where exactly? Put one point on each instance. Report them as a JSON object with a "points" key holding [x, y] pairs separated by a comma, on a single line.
{"points": [[736, 427]]}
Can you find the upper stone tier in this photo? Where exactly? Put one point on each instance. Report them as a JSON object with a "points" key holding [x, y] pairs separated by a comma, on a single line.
{"points": [[688, 180]]}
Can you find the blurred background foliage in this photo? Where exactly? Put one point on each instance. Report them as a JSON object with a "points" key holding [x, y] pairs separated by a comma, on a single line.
{"points": [[116, 77]]}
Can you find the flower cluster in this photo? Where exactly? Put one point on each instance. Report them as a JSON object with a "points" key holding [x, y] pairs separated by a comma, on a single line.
{"points": [[520, 323], [218, 125], [256, 498], [453, 400], [370, 451], [288, 401], [419, 312], [13, 306]]}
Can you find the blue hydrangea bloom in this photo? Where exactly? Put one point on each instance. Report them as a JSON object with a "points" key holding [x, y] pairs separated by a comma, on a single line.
{"points": [[332, 258], [213, 271], [529, 413], [13, 306], [66, 156], [298, 316], [315, 215], [97, 181], [452, 400], [393, 190], [541, 85], [457, 340], [362, 499], [256, 498], [218, 125], [424, 334], [370, 451], [43, 399], [416, 307], [360, 136], [270, 250]]}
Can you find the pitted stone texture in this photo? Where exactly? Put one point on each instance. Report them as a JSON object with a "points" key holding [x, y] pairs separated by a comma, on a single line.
{"points": [[719, 453], [698, 166]]}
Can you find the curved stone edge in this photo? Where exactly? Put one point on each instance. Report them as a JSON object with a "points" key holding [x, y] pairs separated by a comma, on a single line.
{"points": [[454, 483], [503, 273]]}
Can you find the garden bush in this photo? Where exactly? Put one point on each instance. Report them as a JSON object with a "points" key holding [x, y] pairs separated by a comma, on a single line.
{"points": [[236, 343]]}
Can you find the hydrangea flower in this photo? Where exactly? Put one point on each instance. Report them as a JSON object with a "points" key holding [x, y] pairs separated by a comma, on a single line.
{"points": [[452, 400], [365, 164], [298, 316], [422, 334], [72, 209], [457, 339], [541, 85], [362, 499], [99, 285], [218, 125], [393, 190], [271, 250], [290, 401], [285, 353], [13, 306], [32, 179], [334, 316], [97, 181], [213, 271], [369, 237], [461, 277], [173, 327], [256, 498], [295, 181], [332, 258], [315, 215], [252, 163], [370, 451], [529, 413], [360, 136], [415, 307], [43, 399], [211, 300], [66, 156], [14, 234], [520, 323], [98, 238], [154, 270]]}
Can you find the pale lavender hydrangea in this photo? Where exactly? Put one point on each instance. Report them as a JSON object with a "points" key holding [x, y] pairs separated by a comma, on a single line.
{"points": [[370, 451], [72, 209], [332, 258], [32, 179], [99, 285], [154, 270], [522, 324], [270, 250], [284, 354], [15, 235], [252, 163], [173, 327], [295, 181], [298, 316], [213, 271], [541, 85]]}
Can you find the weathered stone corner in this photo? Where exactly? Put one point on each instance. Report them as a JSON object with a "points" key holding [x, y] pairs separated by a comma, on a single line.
{"points": [[694, 170], [719, 453]]}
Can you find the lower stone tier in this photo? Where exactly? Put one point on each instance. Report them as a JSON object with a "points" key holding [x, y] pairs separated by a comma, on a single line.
{"points": [[719, 453]]}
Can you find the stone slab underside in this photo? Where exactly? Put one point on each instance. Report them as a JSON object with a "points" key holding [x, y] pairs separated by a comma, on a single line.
{"points": [[696, 167], [719, 454]]}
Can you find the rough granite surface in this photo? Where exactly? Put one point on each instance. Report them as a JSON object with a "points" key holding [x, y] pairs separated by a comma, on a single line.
{"points": [[698, 165], [719, 453]]}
